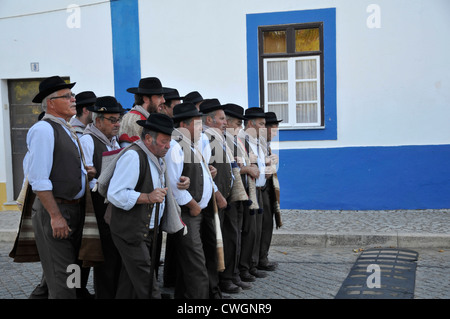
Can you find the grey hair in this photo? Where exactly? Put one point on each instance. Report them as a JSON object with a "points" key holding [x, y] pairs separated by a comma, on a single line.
{"points": [[211, 114], [153, 134], [44, 101]]}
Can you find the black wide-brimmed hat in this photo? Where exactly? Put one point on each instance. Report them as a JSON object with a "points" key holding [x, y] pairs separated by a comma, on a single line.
{"points": [[254, 112], [50, 85], [172, 95], [184, 111], [234, 110], [158, 122], [149, 86], [210, 105], [85, 98], [106, 104], [271, 118], [193, 97]]}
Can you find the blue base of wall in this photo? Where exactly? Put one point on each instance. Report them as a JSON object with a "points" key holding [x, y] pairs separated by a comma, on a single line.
{"points": [[366, 178]]}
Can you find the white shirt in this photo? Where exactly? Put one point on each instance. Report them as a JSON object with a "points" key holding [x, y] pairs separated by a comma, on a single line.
{"points": [[175, 162], [87, 143], [258, 150], [121, 191], [39, 159]]}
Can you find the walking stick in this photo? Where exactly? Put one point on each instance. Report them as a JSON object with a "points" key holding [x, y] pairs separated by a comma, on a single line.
{"points": [[154, 247], [219, 239]]}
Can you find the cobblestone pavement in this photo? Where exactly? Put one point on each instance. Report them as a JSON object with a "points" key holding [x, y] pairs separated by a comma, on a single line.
{"points": [[303, 273]]}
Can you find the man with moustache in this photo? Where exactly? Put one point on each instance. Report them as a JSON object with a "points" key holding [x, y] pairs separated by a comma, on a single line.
{"points": [[57, 175], [185, 158], [101, 136], [148, 99], [137, 184]]}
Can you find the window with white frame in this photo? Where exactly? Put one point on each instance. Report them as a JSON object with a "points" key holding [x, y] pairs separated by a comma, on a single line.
{"points": [[291, 69]]}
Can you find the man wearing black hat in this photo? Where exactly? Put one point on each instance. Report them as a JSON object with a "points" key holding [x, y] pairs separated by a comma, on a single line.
{"points": [[252, 222], [219, 155], [148, 99], [172, 98], [240, 199], [57, 175], [133, 196], [270, 194], [84, 116], [184, 158], [195, 98], [101, 136]]}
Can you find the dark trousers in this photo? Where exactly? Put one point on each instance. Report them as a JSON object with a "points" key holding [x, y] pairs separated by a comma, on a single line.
{"points": [[134, 280], [248, 239], [192, 280], [231, 233], [258, 229], [268, 197], [57, 254], [106, 275]]}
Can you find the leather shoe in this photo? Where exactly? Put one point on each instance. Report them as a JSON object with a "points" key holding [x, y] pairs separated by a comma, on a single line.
{"points": [[244, 285], [269, 266], [247, 277], [229, 287], [258, 273]]}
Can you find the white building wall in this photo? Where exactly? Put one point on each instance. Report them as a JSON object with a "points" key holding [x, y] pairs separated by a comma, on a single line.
{"points": [[39, 31], [393, 82]]}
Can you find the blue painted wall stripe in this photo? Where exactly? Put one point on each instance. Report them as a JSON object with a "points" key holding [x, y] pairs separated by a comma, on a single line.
{"points": [[126, 49], [366, 178]]}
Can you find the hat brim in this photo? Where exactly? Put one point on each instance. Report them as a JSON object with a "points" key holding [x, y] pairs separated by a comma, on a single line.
{"points": [[255, 116], [41, 95], [154, 127], [142, 91], [92, 109], [274, 122], [235, 115], [86, 102], [187, 115]]}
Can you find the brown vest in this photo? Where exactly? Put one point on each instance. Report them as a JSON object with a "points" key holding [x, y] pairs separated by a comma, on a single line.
{"points": [[192, 169], [133, 225], [219, 161], [66, 170]]}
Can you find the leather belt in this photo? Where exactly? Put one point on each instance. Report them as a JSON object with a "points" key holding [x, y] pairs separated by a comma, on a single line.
{"points": [[65, 201]]}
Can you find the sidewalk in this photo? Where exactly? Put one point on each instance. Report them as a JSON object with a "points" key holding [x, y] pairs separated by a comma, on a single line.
{"points": [[410, 228]]}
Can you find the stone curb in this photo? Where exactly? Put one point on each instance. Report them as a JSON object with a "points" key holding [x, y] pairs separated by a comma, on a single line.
{"points": [[334, 239], [357, 240]]}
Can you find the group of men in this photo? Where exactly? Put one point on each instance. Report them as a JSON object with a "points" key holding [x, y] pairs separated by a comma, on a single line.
{"points": [[182, 165]]}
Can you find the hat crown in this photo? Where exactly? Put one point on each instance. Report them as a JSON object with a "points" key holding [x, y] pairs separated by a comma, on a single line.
{"points": [[184, 111], [210, 105], [158, 122], [106, 104], [234, 108], [85, 97], [51, 82], [149, 86], [254, 112], [150, 83], [50, 85], [193, 97], [271, 118]]}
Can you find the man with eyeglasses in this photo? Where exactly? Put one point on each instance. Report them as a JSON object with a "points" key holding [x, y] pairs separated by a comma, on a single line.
{"points": [[57, 176], [101, 136]]}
